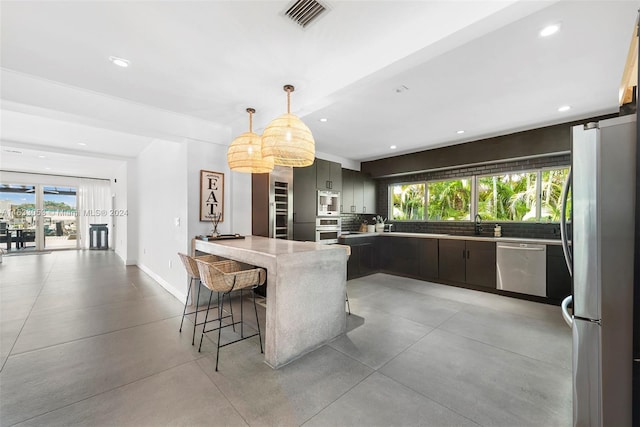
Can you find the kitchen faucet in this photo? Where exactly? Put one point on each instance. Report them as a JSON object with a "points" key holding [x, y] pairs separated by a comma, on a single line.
{"points": [[478, 227]]}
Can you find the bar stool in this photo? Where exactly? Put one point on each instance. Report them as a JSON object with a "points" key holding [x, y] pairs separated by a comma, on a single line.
{"points": [[190, 265], [226, 277]]}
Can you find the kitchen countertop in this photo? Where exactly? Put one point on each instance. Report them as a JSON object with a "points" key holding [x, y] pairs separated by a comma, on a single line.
{"points": [[351, 235]]}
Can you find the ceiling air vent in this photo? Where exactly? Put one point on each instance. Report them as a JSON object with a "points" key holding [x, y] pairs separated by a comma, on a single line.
{"points": [[304, 12]]}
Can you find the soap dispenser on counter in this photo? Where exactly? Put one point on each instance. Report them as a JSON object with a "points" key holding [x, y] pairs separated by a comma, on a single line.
{"points": [[497, 231]]}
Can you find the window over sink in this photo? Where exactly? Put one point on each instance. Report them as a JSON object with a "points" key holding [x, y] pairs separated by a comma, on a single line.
{"points": [[519, 196]]}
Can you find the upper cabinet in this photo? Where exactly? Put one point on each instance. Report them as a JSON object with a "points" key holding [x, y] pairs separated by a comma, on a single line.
{"points": [[328, 175], [358, 192]]}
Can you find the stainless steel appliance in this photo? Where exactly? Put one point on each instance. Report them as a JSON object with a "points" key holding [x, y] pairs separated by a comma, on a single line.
{"points": [[522, 267], [328, 230], [272, 203], [328, 203], [600, 257]]}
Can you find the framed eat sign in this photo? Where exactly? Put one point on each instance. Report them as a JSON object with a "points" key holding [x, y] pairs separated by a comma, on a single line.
{"points": [[211, 196]]}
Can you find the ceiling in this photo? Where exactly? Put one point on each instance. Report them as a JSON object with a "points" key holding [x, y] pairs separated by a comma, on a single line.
{"points": [[404, 73]]}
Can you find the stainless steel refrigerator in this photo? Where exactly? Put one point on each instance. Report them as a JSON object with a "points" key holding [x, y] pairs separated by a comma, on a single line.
{"points": [[599, 248]]}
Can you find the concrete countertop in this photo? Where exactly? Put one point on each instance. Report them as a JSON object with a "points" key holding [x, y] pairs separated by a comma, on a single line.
{"points": [[351, 235]]}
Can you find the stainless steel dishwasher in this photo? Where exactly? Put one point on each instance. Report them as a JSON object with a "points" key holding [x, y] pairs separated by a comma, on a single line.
{"points": [[522, 267]]}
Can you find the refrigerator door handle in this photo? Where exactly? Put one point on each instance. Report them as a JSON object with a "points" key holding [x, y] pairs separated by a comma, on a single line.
{"points": [[563, 223], [565, 310]]}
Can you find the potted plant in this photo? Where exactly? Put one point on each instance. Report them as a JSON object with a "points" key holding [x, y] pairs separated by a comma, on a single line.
{"points": [[379, 223]]}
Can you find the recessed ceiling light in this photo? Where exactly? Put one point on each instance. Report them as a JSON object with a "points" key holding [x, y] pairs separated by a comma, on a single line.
{"points": [[42, 157], [48, 169], [549, 29], [393, 147], [120, 62], [323, 120], [564, 108], [82, 143], [460, 132]]}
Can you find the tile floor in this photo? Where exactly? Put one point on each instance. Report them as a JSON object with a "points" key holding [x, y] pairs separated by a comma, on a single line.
{"points": [[87, 341]]}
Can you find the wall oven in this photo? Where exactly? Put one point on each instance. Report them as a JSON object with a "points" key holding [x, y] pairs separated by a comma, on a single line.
{"points": [[328, 230], [328, 203]]}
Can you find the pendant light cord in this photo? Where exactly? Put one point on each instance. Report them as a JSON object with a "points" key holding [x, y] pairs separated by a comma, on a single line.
{"points": [[250, 111]]}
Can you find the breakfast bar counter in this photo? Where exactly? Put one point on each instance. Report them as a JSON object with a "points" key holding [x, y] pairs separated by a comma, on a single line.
{"points": [[306, 285]]}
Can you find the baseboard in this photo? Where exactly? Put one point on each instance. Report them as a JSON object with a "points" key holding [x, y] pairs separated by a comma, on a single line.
{"points": [[179, 295]]}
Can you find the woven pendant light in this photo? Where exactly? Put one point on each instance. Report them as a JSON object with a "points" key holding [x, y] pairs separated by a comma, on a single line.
{"points": [[245, 152], [288, 140]]}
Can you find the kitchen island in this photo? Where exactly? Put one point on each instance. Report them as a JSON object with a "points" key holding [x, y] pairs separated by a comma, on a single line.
{"points": [[306, 285]]}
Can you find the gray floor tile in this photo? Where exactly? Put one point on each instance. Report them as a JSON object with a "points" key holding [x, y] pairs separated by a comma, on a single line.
{"points": [[381, 401], [486, 384], [178, 396], [9, 331], [289, 395], [45, 329], [424, 309], [44, 380], [378, 337], [547, 340]]}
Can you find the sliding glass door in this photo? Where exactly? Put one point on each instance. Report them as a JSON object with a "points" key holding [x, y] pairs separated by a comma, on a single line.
{"points": [[59, 217], [38, 217], [18, 220]]}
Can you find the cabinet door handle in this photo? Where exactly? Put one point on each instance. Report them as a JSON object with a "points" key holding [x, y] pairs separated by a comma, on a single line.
{"points": [[364, 209], [463, 254], [353, 208], [328, 184], [467, 254]]}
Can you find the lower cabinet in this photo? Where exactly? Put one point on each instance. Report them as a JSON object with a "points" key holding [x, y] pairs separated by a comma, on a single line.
{"points": [[400, 255], [451, 260], [467, 261], [558, 277], [363, 258], [428, 261]]}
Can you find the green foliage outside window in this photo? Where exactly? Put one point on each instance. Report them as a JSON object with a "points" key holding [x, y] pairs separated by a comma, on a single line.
{"points": [[508, 197], [551, 194], [449, 200], [407, 201]]}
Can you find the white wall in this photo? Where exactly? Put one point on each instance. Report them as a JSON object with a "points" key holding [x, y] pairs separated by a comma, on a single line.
{"points": [[119, 232], [162, 198]]}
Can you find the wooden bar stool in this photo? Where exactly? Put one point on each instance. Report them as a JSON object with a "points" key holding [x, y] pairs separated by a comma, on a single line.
{"points": [[190, 265], [226, 277]]}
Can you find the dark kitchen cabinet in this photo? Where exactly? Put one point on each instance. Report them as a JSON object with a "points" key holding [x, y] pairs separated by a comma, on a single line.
{"points": [[304, 195], [328, 175], [480, 265], [451, 260], [471, 262], [558, 277], [400, 255], [346, 197], [363, 258], [428, 263], [368, 195], [358, 192]]}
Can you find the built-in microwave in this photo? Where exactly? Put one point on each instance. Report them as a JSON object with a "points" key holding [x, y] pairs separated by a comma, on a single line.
{"points": [[328, 203], [328, 230]]}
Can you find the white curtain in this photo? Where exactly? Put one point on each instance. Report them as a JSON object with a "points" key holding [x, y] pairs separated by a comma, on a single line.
{"points": [[94, 207]]}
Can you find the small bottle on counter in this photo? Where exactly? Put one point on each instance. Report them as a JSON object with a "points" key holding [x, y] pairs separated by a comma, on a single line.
{"points": [[497, 231]]}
